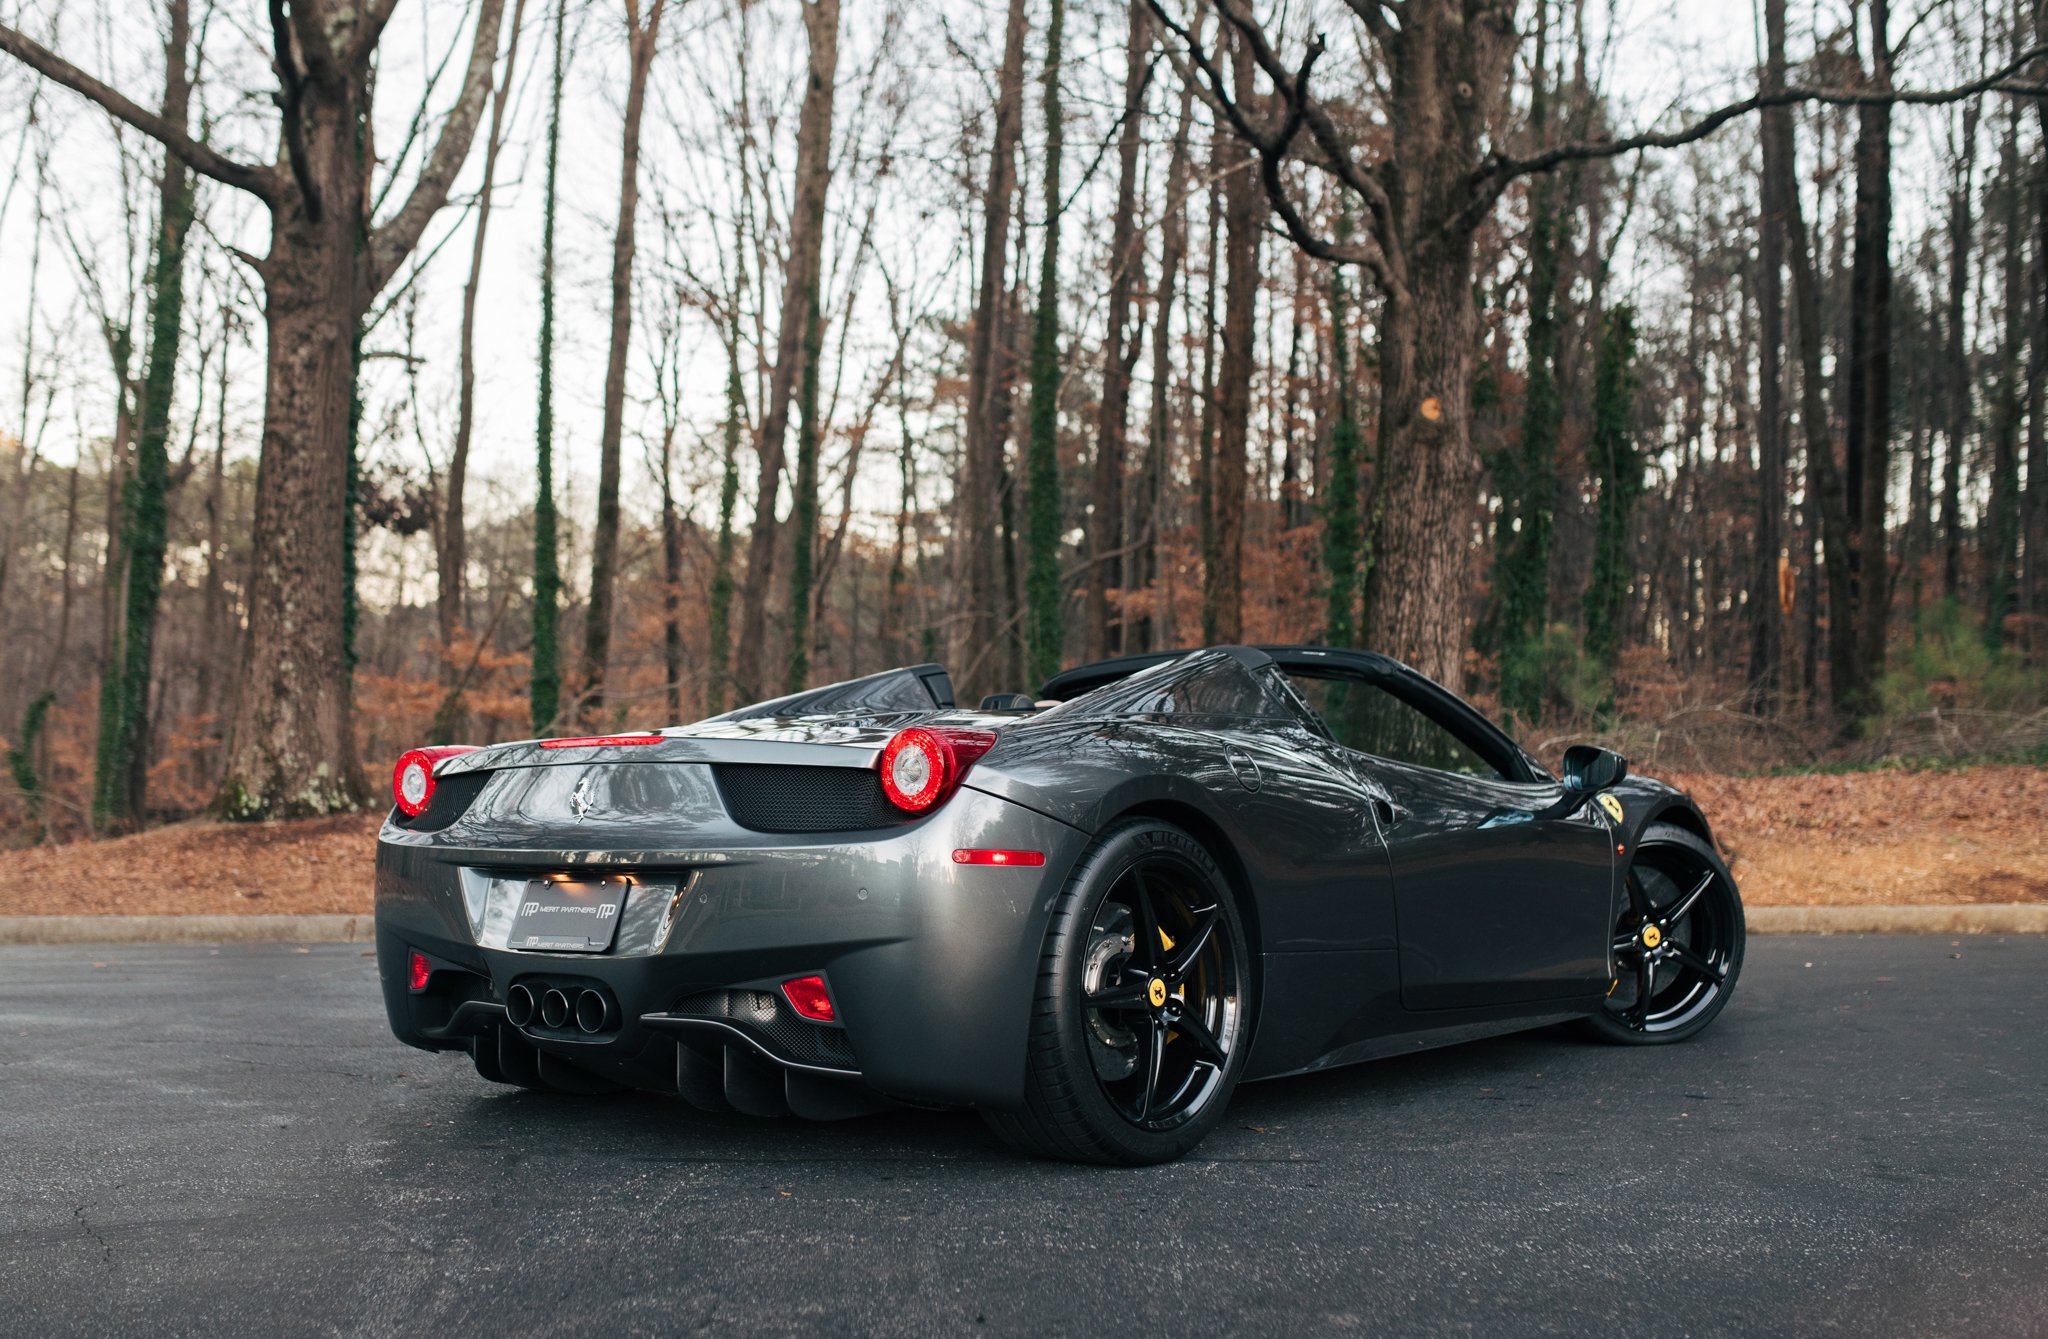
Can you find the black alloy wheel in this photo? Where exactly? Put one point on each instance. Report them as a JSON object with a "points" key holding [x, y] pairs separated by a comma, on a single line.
{"points": [[1143, 1011], [1677, 944]]}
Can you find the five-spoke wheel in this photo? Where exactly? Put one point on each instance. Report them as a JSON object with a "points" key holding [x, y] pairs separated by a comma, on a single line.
{"points": [[1677, 943], [1143, 1010]]}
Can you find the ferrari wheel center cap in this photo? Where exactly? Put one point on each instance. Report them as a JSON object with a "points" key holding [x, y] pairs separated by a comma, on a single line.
{"points": [[1156, 992], [1652, 936]]}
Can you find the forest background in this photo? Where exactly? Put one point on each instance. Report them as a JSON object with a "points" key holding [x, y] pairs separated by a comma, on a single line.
{"points": [[377, 375]]}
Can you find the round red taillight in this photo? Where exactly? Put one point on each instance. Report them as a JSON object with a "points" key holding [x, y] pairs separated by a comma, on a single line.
{"points": [[412, 779], [921, 767], [917, 766], [412, 783]]}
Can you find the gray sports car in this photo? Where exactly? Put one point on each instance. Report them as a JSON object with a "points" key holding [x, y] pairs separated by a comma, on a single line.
{"points": [[1089, 915]]}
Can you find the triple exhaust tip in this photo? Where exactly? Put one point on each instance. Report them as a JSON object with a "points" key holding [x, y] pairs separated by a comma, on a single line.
{"points": [[593, 1010]]}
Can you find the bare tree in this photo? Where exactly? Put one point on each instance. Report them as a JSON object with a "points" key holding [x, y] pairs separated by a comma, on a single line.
{"points": [[1448, 66], [642, 38], [1102, 631], [292, 749], [799, 282], [453, 559], [975, 571]]}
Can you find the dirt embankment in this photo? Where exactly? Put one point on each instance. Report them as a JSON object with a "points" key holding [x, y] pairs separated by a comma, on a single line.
{"points": [[1929, 838], [1945, 838]]}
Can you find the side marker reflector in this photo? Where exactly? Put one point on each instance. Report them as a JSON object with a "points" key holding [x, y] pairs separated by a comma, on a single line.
{"points": [[1032, 859], [808, 996], [420, 970]]}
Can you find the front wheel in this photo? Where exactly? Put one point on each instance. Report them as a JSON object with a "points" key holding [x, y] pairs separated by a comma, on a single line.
{"points": [[1677, 943], [1143, 1012]]}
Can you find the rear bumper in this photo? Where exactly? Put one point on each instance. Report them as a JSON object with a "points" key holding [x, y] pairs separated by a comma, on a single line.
{"points": [[931, 965]]}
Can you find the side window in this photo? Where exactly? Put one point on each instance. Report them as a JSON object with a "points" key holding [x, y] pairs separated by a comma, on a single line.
{"points": [[1368, 719]]}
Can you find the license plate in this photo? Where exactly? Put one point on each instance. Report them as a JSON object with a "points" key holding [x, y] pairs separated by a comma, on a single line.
{"points": [[557, 916]]}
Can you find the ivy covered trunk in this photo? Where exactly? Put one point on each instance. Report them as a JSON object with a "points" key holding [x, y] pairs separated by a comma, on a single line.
{"points": [[121, 773]]}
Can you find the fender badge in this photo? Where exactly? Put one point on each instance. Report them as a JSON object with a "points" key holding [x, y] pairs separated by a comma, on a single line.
{"points": [[1611, 805]]}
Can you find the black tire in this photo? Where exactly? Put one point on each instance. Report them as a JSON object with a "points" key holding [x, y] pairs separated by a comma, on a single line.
{"points": [[1178, 1014], [1677, 945]]}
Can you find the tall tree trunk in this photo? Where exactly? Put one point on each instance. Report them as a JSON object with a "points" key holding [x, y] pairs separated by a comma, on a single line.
{"points": [[1618, 467], [213, 601], [671, 580], [2036, 597], [1103, 630], [803, 510], [2002, 531], [544, 688], [641, 42], [1870, 378], [975, 545], [121, 778], [1956, 362], [1342, 525], [1244, 219], [1159, 436], [799, 281], [1826, 505], [453, 560], [1528, 494], [718, 677], [720, 615], [1042, 465], [1767, 637]]}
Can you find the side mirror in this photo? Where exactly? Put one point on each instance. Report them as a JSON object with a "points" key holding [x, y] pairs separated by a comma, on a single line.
{"points": [[1589, 768]]}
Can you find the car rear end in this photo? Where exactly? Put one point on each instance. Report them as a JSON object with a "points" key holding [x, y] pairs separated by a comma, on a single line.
{"points": [[746, 913]]}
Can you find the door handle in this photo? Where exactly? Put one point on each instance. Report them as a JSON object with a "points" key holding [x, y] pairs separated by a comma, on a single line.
{"points": [[1388, 813]]}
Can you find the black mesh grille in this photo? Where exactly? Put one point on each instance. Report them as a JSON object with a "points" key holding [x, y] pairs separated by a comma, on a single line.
{"points": [[760, 1012], [768, 797], [452, 797]]}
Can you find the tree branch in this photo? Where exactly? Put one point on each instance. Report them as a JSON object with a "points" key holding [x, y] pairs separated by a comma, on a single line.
{"points": [[390, 244], [1503, 168], [375, 16], [259, 182], [293, 86], [1272, 149]]}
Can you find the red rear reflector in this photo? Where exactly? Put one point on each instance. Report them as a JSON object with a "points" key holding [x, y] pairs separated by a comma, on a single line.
{"points": [[1031, 858], [601, 741], [421, 970], [808, 996]]}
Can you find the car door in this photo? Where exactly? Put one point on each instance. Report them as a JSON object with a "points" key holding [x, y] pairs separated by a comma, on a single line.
{"points": [[1495, 902]]}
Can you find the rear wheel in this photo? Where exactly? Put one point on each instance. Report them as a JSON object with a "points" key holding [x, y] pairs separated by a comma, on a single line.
{"points": [[1677, 943], [1143, 1010]]}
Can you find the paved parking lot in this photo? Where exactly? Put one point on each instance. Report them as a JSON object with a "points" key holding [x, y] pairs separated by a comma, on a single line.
{"points": [[213, 1141]]}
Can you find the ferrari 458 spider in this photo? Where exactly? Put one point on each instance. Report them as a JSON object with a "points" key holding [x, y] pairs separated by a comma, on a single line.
{"points": [[1089, 915]]}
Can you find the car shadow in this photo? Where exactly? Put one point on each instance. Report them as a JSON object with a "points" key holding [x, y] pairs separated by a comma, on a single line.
{"points": [[647, 1127]]}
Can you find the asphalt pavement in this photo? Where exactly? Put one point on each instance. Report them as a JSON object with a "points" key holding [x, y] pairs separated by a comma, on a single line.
{"points": [[228, 1141]]}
